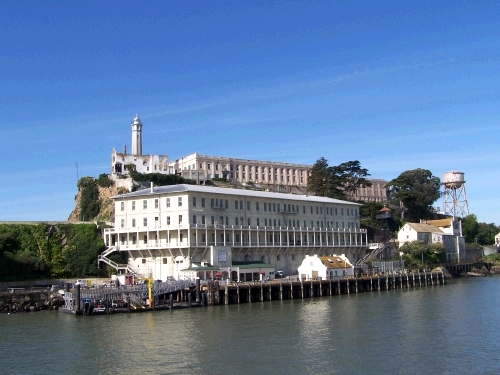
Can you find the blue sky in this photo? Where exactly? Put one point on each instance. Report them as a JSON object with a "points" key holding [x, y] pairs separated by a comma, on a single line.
{"points": [[397, 85]]}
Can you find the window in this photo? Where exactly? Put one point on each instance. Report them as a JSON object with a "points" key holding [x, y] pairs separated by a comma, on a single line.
{"points": [[258, 222], [342, 212], [265, 222], [248, 205], [257, 206], [213, 220], [180, 219], [335, 210], [203, 237], [248, 221], [304, 209], [227, 204], [122, 206], [145, 222], [236, 220], [293, 256], [133, 205], [179, 202], [312, 209], [265, 206], [144, 204], [133, 222], [194, 201], [203, 219], [212, 202], [168, 220], [168, 202], [202, 202], [241, 205], [157, 203], [278, 257], [274, 207], [181, 237], [164, 260], [145, 239], [274, 222], [235, 205], [227, 220], [194, 219], [122, 223]]}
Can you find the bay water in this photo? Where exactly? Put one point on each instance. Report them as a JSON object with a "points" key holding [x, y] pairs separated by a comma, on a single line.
{"points": [[450, 329]]}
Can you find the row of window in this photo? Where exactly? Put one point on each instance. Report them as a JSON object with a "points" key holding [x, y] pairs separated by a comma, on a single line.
{"points": [[202, 219], [245, 237], [239, 205]]}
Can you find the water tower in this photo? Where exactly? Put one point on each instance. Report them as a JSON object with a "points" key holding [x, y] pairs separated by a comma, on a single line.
{"points": [[454, 196]]}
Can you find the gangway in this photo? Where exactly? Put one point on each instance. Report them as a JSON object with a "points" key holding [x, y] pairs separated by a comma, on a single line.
{"points": [[137, 293]]}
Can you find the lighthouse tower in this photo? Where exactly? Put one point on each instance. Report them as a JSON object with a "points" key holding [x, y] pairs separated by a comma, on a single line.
{"points": [[137, 136]]}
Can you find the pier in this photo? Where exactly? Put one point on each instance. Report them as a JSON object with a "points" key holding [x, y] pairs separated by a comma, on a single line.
{"points": [[186, 294], [281, 289]]}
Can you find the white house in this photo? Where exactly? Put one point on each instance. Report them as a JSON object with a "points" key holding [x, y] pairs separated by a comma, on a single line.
{"points": [[164, 230], [325, 267], [446, 231], [497, 240]]}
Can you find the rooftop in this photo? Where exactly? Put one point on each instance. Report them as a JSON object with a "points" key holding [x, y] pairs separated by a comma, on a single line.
{"points": [[229, 191]]}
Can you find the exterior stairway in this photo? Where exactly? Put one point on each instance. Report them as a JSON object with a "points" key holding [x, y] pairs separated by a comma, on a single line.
{"points": [[380, 248], [124, 268]]}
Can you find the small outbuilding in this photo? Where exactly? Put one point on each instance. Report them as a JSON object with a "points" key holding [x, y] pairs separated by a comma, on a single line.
{"points": [[325, 267]]}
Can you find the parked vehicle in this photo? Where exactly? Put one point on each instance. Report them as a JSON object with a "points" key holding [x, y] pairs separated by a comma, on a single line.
{"points": [[279, 275]]}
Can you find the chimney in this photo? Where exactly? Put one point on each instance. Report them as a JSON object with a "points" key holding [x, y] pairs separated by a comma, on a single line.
{"points": [[152, 188], [125, 149]]}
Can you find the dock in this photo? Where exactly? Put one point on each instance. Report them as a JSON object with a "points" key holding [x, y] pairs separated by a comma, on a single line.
{"points": [[187, 294]]}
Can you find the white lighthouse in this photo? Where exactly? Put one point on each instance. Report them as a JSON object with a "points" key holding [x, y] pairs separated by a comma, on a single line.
{"points": [[137, 136]]}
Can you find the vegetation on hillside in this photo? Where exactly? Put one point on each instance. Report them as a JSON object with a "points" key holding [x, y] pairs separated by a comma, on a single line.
{"points": [[45, 251], [478, 233], [159, 179], [89, 198]]}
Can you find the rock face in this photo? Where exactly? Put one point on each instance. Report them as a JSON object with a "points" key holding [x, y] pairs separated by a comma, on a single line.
{"points": [[107, 210]]}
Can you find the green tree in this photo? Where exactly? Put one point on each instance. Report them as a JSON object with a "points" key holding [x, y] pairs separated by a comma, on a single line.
{"points": [[352, 177], [418, 253], [470, 228], [336, 181], [486, 233], [320, 182], [415, 191]]}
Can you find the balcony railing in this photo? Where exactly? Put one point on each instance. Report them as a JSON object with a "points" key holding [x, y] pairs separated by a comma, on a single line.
{"points": [[157, 228]]}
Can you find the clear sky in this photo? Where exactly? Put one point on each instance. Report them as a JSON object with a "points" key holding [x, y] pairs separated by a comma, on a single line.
{"points": [[397, 85]]}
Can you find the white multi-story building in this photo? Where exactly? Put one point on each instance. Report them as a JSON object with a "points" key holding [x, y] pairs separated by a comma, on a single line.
{"points": [[203, 167], [267, 175], [164, 230]]}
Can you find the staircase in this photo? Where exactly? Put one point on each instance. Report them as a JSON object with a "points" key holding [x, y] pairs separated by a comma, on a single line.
{"points": [[371, 255], [125, 268]]}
